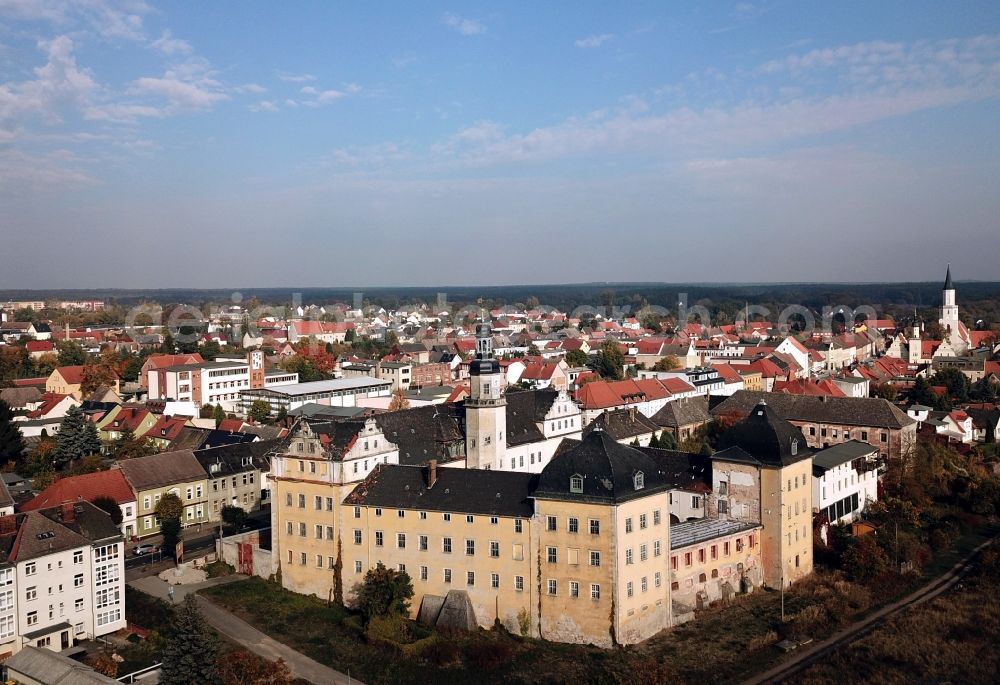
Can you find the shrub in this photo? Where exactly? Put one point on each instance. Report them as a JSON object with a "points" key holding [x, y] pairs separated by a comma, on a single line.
{"points": [[762, 641], [218, 569], [439, 652], [489, 656], [524, 622]]}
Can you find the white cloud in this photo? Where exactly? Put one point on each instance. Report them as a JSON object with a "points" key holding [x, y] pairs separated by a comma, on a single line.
{"points": [[108, 18], [329, 96], [309, 90], [180, 94], [169, 45], [296, 78], [254, 88], [467, 27], [58, 85], [265, 106], [594, 41]]}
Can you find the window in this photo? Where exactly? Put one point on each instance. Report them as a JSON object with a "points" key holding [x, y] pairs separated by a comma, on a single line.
{"points": [[639, 481], [687, 558], [628, 525], [288, 527], [494, 520], [318, 503], [494, 580], [695, 502], [642, 553], [319, 561], [494, 549], [31, 593], [550, 554], [723, 506], [447, 575], [319, 532], [628, 556], [552, 586], [423, 573], [656, 579], [32, 618], [78, 556], [447, 517], [595, 591], [378, 511], [78, 580], [302, 501], [400, 540], [470, 547], [628, 589], [643, 584], [357, 512], [656, 548], [357, 567], [595, 558], [30, 569], [446, 545], [423, 516], [576, 483], [573, 524], [518, 525], [302, 529], [595, 527], [469, 518], [302, 558], [422, 543], [378, 538], [574, 589], [642, 521], [470, 577], [519, 583], [550, 523]]}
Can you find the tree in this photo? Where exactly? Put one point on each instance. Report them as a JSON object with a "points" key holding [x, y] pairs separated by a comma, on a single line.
{"points": [[384, 593], [128, 446], [169, 509], [668, 363], [398, 400], [192, 649], [77, 438], [168, 346], [11, 440], [96, 376], [668, 441], [89, 464], [219, 414], [610, 361], [207, 411], [260, 411], [576, 358], [654, 441], [349, 335], [241, 667], [233, 516], [110, 506], [71, 353], [921, 393]]}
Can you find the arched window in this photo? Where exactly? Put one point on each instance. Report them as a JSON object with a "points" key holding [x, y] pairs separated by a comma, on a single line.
{"points": [[795, 447], [639, 480], [576, 483]]}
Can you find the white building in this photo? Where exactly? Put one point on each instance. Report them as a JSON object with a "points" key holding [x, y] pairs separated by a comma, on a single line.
{"points": [[338, 392], [845, 480], [218, 382], [62, 577]]}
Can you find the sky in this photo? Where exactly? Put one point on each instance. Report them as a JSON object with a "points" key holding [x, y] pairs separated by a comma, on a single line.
{"points": [[262, 144]]}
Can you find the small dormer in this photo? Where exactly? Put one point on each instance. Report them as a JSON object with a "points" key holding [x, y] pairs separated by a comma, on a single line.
{"points": [[215, 468], [639, 480], [576, 483]]}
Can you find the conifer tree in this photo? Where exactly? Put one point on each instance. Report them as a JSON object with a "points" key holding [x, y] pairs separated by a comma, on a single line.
{"points": [[192, 649], [11, 440]]}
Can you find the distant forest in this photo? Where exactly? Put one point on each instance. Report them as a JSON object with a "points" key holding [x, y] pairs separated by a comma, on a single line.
{"points": [[978, 300]]}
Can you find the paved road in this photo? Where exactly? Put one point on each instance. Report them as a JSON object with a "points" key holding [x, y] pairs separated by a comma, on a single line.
{"points": [[787, 670], [241, 632]]}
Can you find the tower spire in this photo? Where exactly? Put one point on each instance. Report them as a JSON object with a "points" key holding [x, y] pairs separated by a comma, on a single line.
{"points": [[947, 279]]}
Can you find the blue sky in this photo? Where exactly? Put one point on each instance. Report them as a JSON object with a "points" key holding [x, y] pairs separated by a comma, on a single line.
{"points": [[147, 144]]}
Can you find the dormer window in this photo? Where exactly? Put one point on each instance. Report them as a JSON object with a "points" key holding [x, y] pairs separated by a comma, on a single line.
{"points": [[639, 480], [795, 447], [576, 483]]}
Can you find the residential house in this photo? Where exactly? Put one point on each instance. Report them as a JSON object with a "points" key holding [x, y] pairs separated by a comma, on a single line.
{"points": [[66, 380], [89, 487], [845, 480], [683, 418], [236, 475], [627, 426], [178, 473]]}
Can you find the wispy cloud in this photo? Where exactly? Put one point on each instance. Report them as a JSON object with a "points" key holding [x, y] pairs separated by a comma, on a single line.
{"points": [[296, 78], [467, 27], [594, 41], [254, 88], [169, 45], [265, 106], [112, 19]]}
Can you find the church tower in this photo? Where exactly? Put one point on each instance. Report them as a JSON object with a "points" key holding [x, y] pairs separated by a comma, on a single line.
{"points": [[486, 407], [913, 343], [949, 316]]}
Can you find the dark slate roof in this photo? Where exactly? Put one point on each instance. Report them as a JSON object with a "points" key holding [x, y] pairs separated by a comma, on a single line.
{"points": [[434, 431], [5, 499], [849, 411], [828, 458], [683, 470], [159, 470], [683, 412], [217, 438], [525, 411], [461, 491], [608, 469], [32, 534], [337, 436], [622, 424], [984, 418], [948, 285], [231, 458], [767, 438], [190, 438]]}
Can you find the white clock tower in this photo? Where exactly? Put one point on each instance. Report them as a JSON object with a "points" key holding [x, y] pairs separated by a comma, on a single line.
{"points": [[485, 408]]}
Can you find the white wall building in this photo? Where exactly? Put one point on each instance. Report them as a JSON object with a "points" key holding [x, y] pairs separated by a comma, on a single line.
{"points": [[845, 480]]}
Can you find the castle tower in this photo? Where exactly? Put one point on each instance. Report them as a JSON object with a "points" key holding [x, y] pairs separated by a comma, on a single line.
{"points": [[486, 407]]}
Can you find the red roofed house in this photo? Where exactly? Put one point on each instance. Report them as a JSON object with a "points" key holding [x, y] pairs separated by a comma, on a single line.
{"points": [[166, 429], [323, 331], [149, 376], [39, 348], [546, 374], [52, 406], [66, 380], [824, 387], [136, 419], [89, 487], [647, 396]]}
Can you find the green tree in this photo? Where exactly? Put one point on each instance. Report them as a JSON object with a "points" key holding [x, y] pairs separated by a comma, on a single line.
{"points": [[668, 441], [169, 509], [192, 649], [219, 414], [384, 593], [576, 358], [349, 335], [233, 516], [110, 506], [77, 438], [11, 440], [610, 361], [260, 411], [168, 346], [668, 363], [71, 353], [128, 446], [921, 393]]}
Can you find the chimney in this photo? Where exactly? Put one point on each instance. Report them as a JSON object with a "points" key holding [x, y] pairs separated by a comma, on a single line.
{"points": [[432, 473], [67, 512]]}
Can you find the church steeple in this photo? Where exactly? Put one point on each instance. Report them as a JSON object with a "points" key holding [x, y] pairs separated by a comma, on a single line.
{"points": [[948, 285]]}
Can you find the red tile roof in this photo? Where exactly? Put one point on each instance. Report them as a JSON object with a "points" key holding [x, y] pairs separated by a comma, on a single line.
{"points": [[49, 402], [39, 346], [88, 487], [71, 374], [166, 427], [230, 425]]}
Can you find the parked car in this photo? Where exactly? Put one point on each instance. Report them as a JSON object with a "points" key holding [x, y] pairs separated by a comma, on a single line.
{"points": [[147, 548]]}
